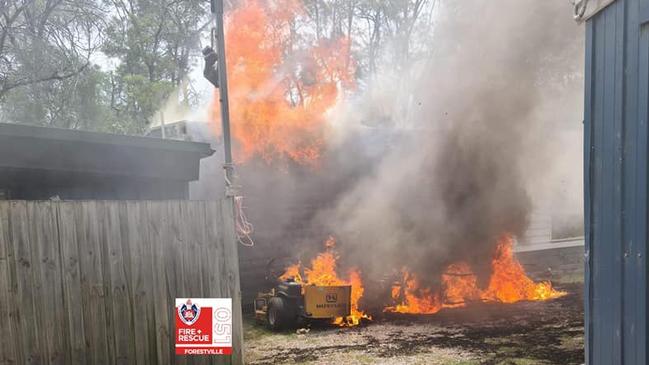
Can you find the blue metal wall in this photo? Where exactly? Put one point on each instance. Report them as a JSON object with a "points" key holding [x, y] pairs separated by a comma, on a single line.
{"points": [[615, 152]]}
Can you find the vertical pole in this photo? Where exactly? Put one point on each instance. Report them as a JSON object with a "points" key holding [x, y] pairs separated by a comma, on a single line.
{"points": [[227, 209], [217, 9]]}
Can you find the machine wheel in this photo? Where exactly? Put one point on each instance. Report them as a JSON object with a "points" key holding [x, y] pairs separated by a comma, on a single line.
{"points": [[280, 315]]}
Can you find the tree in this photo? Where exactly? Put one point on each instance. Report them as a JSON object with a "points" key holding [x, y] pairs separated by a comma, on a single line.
{"points": [[76, 102], [153, 40], [381, 31], [51, 65], [390, 29], [46, 40], [55, 54]]}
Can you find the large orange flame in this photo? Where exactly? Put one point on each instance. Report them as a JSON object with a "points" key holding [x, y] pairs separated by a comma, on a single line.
{"points": [[323, 272], [508, 284], [413, 297], [280, 84]]}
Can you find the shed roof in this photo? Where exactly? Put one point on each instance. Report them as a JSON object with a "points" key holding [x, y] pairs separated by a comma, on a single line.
{"points": [[52, 149]]}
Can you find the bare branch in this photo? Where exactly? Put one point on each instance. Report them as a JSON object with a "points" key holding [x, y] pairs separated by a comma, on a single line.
{"points": [[56, 76]]}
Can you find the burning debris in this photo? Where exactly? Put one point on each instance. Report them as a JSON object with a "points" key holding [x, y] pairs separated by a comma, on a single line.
{"points": [[508, 283], [523, 332], [323, 272]]}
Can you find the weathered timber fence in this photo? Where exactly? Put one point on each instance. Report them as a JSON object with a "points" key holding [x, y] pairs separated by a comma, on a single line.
{"points": [[94, 282]]}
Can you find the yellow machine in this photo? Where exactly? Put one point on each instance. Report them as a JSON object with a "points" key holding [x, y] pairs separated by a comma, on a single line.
{"points": [[291, 303]]}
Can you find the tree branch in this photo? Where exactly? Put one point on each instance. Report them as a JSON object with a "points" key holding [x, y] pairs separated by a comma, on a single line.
{"points": [[56, 76]]}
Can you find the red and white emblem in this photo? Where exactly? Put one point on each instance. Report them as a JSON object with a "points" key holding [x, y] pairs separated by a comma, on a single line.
{"points": [[203, 326], [189, 312]]}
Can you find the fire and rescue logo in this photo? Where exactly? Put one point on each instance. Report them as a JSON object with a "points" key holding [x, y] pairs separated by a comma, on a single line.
{"points": [[209, 333], [189, 312]]}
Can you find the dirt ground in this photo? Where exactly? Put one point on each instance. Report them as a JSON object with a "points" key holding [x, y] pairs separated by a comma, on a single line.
{"points": [[521, 333]]}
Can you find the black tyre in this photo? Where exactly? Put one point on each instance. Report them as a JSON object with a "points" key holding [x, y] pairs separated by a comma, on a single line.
{"points": [[280, 315]]}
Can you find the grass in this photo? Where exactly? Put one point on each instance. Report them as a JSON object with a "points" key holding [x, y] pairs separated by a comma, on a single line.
{"points": [[393, 342], [462, 362], [572, 342], [363, 359], [574, 278], [253, 331], [521, 361]]}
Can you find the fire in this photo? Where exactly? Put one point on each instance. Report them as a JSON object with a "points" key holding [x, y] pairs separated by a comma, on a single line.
{"points": [[323, 272], [415, 298], [280, 87], [357, 294], [460, 285], [293, 272], [508, 284]]}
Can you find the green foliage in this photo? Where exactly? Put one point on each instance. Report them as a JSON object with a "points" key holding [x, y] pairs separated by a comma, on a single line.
{"points": [[46, 82], [70, 103], [139, 100], [153, 41], [109, 65]]}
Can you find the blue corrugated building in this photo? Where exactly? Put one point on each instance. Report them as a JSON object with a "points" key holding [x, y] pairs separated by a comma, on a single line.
{"points": [[615, 157]]}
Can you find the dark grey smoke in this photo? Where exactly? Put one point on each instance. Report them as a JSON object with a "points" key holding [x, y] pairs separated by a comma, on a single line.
{"points": [[461, 183], [455, 163]]}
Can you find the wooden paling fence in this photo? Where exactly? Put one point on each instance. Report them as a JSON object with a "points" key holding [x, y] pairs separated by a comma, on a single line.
{"points": [[94, 282]]}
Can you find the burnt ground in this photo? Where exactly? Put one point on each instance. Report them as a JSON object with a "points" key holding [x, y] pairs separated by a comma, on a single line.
{"points": [[548, 332]]}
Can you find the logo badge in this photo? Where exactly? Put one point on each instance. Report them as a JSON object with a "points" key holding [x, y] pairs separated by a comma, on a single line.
{"points": [[331, 297], [203, 326], [189, 312]]}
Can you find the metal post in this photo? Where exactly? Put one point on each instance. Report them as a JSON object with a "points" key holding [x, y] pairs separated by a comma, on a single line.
{"points": [[217, 10]]}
